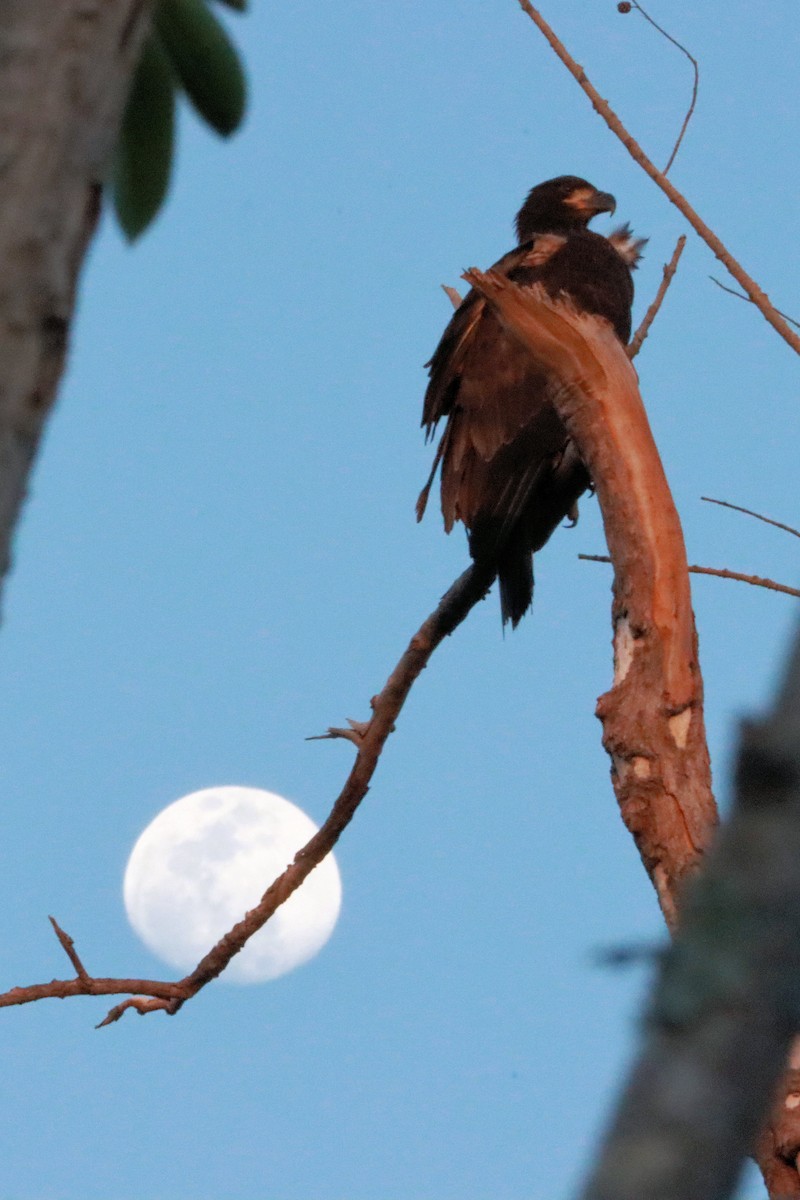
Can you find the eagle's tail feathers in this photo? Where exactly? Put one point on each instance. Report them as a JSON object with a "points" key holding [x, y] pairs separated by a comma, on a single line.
{"points": [[515, 572]]}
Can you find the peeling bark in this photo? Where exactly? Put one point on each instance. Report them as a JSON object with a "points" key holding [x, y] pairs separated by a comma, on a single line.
{"points": [[652, 718], [65, 70]]}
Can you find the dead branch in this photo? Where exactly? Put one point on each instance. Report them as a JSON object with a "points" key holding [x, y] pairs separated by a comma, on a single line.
{"points": [[624, 8], [750, 513], [720, 573], [670, 268], [369, 738], [652, 718], [601, 106], [739, 296], [724, 1012], [68, 945]]}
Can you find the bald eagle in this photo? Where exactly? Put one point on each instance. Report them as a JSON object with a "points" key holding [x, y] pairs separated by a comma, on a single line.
{"points": [[509, 470]]}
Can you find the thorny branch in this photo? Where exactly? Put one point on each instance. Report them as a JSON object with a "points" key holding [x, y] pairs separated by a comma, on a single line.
{"points": [[369, 739], [601, 106], [720, 573]]}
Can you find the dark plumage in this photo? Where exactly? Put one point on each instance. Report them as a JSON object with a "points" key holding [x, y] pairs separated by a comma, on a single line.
{"points": [[509, 469]]}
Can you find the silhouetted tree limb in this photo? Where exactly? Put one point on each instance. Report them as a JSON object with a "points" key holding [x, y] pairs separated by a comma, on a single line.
{"points": [[70, 63], [724, 1011]]}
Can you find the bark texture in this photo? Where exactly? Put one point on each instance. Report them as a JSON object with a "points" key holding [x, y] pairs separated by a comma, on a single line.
{"points": [[653, 726], [65, 69], [725, 1009]]}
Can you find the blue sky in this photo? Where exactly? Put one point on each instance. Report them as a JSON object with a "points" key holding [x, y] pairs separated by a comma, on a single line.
{"points": [[219, 557]]}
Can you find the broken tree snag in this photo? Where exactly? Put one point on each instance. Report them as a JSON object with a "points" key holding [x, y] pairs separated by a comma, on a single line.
{"points": [[652, 718]]}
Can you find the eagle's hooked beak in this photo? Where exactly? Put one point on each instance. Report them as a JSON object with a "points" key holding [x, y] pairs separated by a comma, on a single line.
{"points": [[601, 202], [589, 201]]}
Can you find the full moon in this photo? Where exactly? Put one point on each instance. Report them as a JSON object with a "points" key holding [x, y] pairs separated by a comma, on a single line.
{"points": [[208, 858]]}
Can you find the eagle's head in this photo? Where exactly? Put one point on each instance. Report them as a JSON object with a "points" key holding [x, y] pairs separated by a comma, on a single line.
{"points": [[560, 205]]}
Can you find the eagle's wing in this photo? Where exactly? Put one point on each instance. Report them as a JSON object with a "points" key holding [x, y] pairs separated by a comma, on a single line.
{"points": [[447, 364], [509, 469], [487, 386]]}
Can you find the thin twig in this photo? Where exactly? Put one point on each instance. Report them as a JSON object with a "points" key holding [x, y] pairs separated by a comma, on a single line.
{"points": [[68, 945], [755, 293], [732, 292], [750, 513], [140, 1004], [720, 572], [148, 995], [696, 70], [650, 316]]}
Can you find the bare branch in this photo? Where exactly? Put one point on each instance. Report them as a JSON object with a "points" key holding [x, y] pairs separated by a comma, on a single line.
{"points": [[140, 1004], [670, 268], [369, 738], [754, 292], [68, 945], [751, 513], [63, 989], [695, 69], [732, 292], [468, 589], [720, 572], [652, 718]]}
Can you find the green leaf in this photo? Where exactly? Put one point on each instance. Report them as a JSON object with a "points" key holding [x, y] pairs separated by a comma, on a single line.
{"points": [[205, 61], [238, 5], [143, 159]]}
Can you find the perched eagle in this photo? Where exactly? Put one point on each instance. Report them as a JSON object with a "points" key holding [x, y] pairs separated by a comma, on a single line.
{"points": [[509, 469]]}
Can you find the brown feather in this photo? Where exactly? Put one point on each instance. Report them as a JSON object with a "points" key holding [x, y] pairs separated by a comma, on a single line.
{"points": [[509, 471]]}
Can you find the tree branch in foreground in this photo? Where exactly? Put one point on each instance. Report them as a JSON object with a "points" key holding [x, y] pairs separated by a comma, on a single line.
{"points": [[70, 64], [601, 106], [652, 718], [724, 1010], [369, 738], [720, 573]]}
